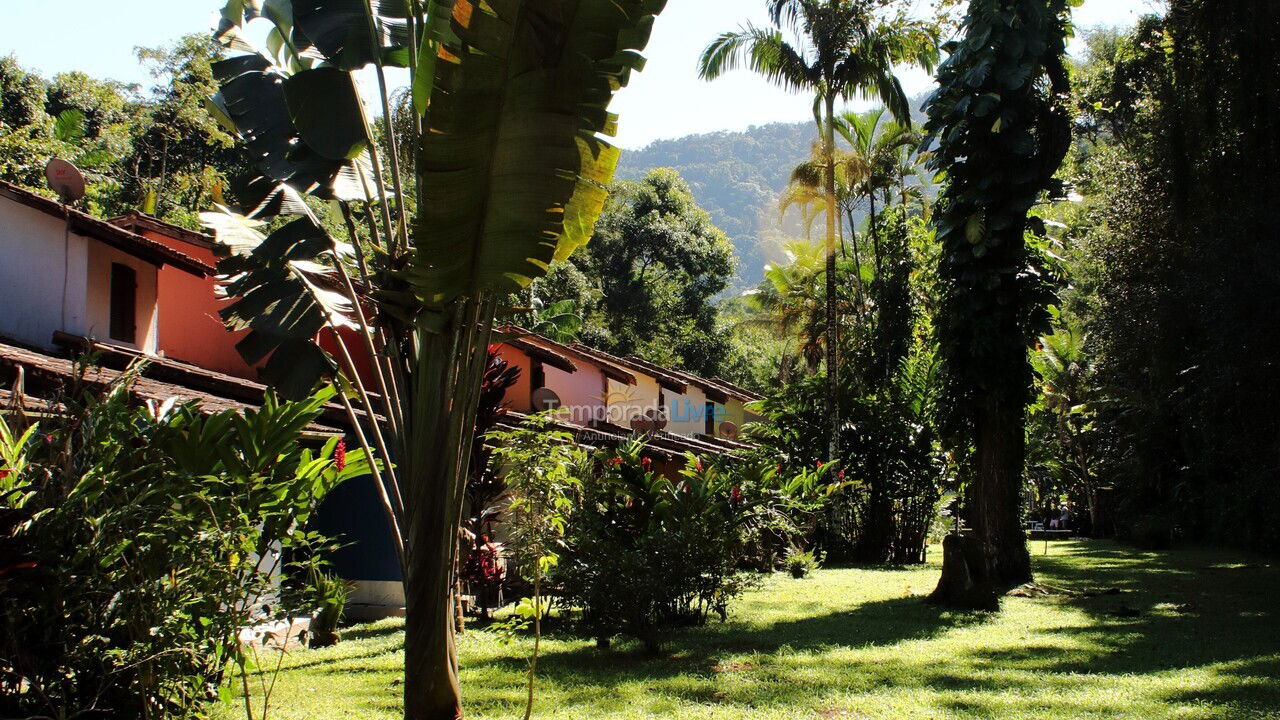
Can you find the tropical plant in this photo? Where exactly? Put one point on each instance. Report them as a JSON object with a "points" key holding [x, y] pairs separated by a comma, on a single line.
{"points": [[137, 542], [1001, 132], [801, 563], [510, 105], [881, 149], [791, 303], [1066, 410], [833, 49], [645, 553], [541, 467], [329, 596]]}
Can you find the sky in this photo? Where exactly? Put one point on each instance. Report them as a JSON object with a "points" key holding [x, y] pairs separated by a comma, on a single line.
{"points": [[667, 100]]}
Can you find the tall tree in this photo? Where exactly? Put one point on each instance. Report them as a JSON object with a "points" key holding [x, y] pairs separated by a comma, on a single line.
{"points": [[1001, 130], [877, 146], [833, 49], [511, 172], [658, 263]]}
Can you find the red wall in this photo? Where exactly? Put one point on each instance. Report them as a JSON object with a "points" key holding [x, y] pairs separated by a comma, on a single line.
{"points": [[190, 328]]}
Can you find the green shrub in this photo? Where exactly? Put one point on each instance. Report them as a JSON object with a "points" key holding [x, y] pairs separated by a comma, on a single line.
{"points": [[329, 597], [644, 554], [136, 542], [801, 563]]}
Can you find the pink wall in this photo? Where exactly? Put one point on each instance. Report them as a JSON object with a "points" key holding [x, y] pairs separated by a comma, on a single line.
{"points": [[581, 393], [190, 328]]}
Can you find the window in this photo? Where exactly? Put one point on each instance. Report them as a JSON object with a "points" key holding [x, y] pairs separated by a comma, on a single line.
{"points": [[124, 303], [710, 419]]}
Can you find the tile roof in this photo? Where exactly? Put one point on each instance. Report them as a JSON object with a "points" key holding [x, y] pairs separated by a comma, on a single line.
{"points": [[39, 366], [666, 379], [186, 375], [137, 222], [117, 237], [546, 344]]}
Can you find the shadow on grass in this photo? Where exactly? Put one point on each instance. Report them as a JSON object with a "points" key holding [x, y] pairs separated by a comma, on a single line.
{"points": [[692, 658]]}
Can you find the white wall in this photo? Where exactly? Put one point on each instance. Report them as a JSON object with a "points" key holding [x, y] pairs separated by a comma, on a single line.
{"points": [[687, 412], [36, 263]]}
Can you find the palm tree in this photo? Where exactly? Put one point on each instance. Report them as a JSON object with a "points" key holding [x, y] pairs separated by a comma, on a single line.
{"points": [[791, 304], [833, 49], [881, 148]]}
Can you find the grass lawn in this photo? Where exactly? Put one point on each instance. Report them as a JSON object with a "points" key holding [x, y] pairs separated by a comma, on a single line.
{"points": [[1192, 634]]}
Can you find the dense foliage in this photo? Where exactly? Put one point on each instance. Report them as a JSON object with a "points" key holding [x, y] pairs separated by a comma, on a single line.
{"points": [[1173, 271], [647, 282], [645, 552], [137, 542], [155, 150]]}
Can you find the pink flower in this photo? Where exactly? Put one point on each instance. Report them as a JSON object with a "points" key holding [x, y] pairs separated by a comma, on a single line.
{"points": [[340, 455], [840, 475]]}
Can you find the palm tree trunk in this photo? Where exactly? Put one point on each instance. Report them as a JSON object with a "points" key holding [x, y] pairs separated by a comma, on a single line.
{"points": [[875, 233], [833, 386], [445, 392]]}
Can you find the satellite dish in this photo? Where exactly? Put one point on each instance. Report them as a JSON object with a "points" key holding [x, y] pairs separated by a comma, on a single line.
{"points": [[650, 422], [65, 179], [728, 430], [545, 399]]}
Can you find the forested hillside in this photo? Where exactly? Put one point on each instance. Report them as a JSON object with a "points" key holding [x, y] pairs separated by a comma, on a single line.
{"points": [[736, 176]]}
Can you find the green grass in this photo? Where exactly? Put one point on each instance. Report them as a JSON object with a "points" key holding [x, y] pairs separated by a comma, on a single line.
{"points": [[860, 643]]}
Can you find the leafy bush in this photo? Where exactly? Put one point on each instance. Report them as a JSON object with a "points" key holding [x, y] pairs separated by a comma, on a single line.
{"points": [[136, 542], [644, 553], [801, 563]]}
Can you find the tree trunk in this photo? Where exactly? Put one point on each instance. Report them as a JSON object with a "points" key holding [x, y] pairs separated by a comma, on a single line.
{"points": [[996, 495], [445, 389], [833, 381], [978, 568]]}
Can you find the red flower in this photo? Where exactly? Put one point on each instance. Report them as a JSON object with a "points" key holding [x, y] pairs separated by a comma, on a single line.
{"points": [[48, 439], [647, 464], [699, 465], [5, 472], [840, 475], [778, 469], [819, 464], [340, 455], [736, 494], [615, 462]]}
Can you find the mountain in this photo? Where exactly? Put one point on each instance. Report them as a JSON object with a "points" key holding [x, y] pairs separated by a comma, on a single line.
{"points": [[737, 177]]}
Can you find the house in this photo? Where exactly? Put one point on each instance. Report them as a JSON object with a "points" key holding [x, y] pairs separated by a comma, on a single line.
{"points": [[135, 287], [64, 270], [190, 329]]}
